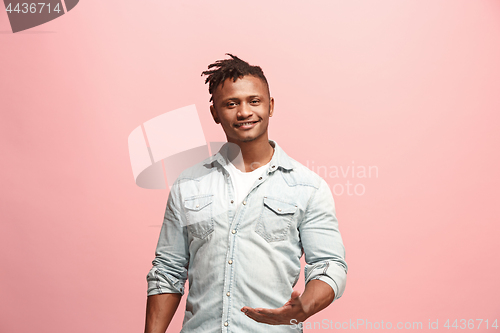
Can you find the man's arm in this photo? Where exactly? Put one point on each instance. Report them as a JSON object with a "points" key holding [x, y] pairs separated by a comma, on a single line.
{"points": [[168, 275], [322, 243], [160, 310], [317, 296]]}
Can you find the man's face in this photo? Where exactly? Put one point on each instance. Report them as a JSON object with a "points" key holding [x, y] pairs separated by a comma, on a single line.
{"points": [[243, 109]]}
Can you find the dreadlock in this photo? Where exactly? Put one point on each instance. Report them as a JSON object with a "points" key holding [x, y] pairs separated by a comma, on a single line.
{"points": [[230, 68]]}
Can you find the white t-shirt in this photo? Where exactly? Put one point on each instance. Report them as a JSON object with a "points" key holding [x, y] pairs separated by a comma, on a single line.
{"points": [[243, 181]]}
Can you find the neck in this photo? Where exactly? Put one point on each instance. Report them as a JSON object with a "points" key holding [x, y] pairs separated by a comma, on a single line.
{"points": [[254, 154]]}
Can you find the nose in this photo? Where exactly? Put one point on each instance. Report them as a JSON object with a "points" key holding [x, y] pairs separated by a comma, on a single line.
{"points": [[244, 111]]}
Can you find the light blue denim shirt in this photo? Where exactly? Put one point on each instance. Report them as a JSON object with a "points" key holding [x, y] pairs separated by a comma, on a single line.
{"points": [[246, 255]]}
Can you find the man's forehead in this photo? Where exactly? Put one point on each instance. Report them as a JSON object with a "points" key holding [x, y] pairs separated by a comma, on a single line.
{"points": [[253, 86]]}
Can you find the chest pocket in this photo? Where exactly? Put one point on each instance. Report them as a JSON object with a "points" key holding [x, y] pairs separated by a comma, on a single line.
{"points": [[199, 215], [275, 219]]}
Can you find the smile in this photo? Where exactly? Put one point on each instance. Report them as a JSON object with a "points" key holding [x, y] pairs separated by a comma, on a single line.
{"points": [[246, 125]]}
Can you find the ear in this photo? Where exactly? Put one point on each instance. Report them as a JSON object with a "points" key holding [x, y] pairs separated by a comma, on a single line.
{"points": [[271, 107], [214, 114]]}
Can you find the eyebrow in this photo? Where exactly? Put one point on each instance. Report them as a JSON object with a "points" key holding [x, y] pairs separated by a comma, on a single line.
{"points": [[237, 98]]}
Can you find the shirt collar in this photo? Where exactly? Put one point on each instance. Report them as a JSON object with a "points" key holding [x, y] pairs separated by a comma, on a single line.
{"points": [[279, 160]]}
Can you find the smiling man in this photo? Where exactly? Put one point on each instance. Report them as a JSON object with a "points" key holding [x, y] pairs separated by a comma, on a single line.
{"points": [[240, 221]]}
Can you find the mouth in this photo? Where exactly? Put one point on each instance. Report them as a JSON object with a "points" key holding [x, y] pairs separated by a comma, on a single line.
{"points": [[246, 125]]}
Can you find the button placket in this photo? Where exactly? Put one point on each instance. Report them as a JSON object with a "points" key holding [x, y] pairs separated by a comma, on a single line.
{"points": [[231, 211], [228, 270], [239, 210]]}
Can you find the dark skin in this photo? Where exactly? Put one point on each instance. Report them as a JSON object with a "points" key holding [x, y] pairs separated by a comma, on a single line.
{"points": [[160, 310]]}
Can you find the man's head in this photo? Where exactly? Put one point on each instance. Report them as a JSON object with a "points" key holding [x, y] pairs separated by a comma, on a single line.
{"points": [[241, 100]]}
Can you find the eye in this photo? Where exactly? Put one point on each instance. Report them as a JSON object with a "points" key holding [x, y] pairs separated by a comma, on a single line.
{"points": [[255, 101], [231, 104]]}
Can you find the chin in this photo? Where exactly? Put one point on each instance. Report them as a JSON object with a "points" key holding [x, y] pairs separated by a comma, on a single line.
{"points": [[248, 139], [244, 139]]}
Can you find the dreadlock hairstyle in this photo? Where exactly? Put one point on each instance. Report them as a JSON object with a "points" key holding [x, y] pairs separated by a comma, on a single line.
{"points": [[230, 68]]}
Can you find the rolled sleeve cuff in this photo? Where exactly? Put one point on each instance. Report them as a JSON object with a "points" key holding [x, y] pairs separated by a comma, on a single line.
{"points": [[330, 273], [160, 282]]}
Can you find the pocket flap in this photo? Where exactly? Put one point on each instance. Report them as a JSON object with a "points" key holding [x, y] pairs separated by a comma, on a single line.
{"points": [[280, 207], [198, 202]]}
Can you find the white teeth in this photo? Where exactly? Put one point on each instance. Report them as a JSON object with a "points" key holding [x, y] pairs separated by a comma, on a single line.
{"points": [[245, 124]]}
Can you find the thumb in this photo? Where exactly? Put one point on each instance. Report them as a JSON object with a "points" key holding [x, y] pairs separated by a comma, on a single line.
{"points": [[295, 295], [293, 298]]}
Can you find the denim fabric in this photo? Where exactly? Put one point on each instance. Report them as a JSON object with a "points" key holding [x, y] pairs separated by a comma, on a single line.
{"points": [[246, 255]]}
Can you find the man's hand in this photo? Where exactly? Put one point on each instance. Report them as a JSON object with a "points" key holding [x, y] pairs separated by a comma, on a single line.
{"points": [[293, 309], [317, 296]]}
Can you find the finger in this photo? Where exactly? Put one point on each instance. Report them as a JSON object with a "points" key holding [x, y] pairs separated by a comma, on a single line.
{"points": [[254, 310], [247, 309], [262, 318], [268, 312], [261, 311]]}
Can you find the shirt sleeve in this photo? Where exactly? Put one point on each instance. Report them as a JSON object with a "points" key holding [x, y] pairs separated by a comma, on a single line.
{"points": [[169, 271], [322, 243]]}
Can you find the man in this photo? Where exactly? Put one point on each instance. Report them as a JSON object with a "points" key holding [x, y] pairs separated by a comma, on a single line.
{"points": [[239, 223]]}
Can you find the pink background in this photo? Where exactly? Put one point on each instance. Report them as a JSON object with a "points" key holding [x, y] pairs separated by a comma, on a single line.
{"points": [[411, 87]]}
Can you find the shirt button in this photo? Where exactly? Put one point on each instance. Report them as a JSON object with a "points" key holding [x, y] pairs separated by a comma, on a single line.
{"points": [[260, 178], [244, 202], [232, 201], [225, 324], [197, 206], [233, 231], [274, 166], [228, 294], [230, 262], [279, 209]]}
